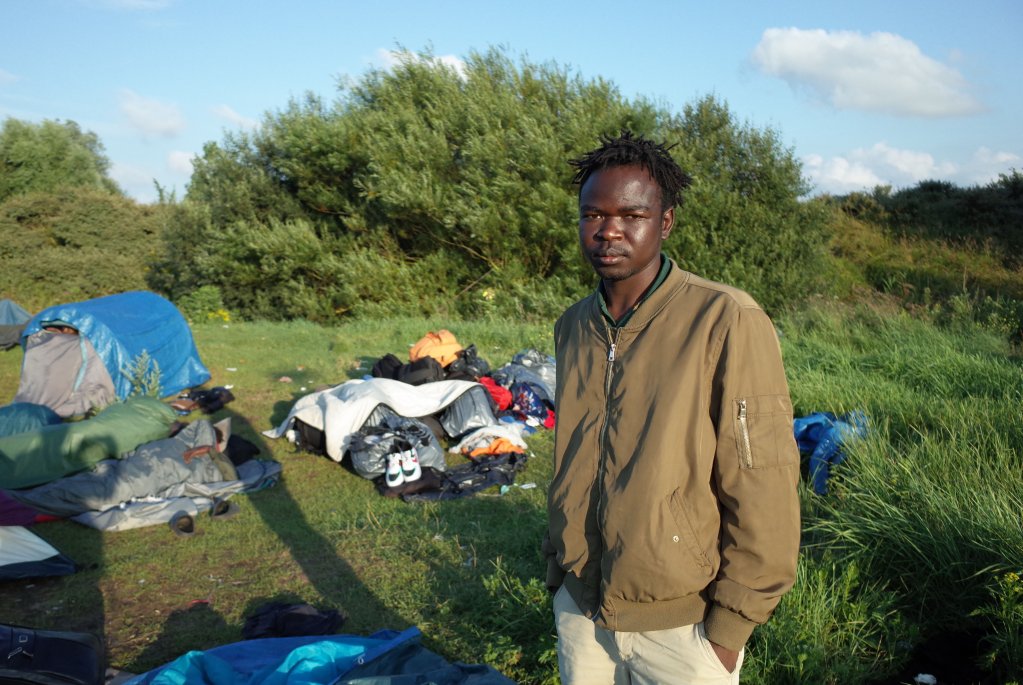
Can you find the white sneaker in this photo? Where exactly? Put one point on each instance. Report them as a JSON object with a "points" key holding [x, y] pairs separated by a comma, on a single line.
{"points": [[410, 469], [394, 476]]}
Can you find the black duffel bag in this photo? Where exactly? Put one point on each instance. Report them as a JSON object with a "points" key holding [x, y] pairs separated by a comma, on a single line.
{"points": [[49, 657]]}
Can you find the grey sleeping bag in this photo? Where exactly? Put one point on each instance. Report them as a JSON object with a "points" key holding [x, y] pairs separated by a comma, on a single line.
{"points": [[159, 469]]}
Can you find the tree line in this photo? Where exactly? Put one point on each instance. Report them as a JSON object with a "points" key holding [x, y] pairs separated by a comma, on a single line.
{"points": [[417, 190]]}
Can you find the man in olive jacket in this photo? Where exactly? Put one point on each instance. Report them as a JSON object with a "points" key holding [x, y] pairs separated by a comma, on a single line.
{"points": [[673, 513]]}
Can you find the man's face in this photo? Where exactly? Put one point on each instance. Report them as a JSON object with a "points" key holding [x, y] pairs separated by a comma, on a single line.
{"points": [[621, 223]]}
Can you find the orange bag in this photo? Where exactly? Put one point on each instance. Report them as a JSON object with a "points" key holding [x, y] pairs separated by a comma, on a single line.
{"points": [[441, 345]]}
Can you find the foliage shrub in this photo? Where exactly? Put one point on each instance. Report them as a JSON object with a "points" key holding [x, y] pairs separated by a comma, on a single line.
{"points": [[991, 214], [203, 304], [50, 155], [143, 372], [1004, 614], [74, 243], [422, 187], [951, 283], [743, 221]]}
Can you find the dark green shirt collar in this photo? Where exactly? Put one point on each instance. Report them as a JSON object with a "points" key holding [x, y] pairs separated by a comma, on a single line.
{"points": [[661, 276]]}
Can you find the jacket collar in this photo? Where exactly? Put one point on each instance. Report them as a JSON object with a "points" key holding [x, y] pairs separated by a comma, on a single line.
{"points": [[650, 305]]}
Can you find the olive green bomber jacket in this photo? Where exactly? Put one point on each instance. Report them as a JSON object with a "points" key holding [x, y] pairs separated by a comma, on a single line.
{"points": [[675, 467]]}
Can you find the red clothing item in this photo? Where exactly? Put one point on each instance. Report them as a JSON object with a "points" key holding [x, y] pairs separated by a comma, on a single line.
{"points": [[502, 396]]}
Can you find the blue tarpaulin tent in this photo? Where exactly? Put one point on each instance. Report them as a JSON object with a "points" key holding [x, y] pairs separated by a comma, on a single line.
{"points": [[12, 321], [118, 330], [386, 658]]}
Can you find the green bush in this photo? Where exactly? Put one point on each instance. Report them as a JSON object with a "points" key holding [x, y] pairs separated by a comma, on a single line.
{"points": [[55, 246], [49, 155], [743, 221], [203, 304], [460, 184], [988, 215]]}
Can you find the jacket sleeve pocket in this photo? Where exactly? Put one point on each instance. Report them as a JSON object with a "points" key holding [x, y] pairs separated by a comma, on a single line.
{"points": [[763, 432]]}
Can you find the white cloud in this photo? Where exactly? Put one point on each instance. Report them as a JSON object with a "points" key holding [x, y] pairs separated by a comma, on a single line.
{"points": [[989, 157], [151, 117], [231, 116], [909, 164], [839, 175], [7, 77], [880, 164], [180, 162], [880, 72], [986, 164], [392, 58]]}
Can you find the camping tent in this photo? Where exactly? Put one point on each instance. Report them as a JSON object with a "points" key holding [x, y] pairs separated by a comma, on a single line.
{"points": [[81, 355], [24, 554], [12, 321]]}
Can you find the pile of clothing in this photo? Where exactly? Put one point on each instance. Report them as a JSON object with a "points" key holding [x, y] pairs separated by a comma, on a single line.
{"points": [[392, 424]]}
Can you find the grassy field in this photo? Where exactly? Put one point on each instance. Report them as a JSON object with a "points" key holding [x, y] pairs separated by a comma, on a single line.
{"points": [[921, 532]]}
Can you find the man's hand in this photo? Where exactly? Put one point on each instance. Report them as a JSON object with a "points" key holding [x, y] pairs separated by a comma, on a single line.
{"points": [[727, 657]]}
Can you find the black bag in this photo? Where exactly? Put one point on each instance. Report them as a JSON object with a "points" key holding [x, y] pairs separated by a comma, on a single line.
{"points": [[423, 370], [48, 657], [309, 439], [386, 367], [468, 366], [279, 619]]}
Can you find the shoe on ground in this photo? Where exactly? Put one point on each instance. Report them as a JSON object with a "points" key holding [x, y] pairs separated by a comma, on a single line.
{"points": [[223, 509], [394, 477], [182, 524], [410, 469]]}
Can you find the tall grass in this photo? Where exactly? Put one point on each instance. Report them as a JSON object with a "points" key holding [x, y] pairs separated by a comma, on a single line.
{"points": [[928, 506], [920, 532]]}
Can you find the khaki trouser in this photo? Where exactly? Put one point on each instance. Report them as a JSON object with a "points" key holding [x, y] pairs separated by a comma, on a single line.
{"points": [[591, 655]]}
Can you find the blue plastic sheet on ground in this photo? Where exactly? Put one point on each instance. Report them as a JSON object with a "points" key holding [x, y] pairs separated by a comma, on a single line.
{"points": [[822, 436], [277, 661]]}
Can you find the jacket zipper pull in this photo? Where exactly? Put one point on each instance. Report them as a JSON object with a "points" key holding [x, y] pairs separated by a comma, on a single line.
{"points": [[611, 352], [744, 427]]}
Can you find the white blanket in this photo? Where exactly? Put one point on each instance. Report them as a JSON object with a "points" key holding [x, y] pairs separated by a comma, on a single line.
{"points": [[342, 410]]}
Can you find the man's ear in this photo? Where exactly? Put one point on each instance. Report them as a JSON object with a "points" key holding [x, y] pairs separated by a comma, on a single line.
{"points": [[667, 222]]}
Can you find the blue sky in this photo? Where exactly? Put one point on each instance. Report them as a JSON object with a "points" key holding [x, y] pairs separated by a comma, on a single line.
{"points": [[864, 92]]}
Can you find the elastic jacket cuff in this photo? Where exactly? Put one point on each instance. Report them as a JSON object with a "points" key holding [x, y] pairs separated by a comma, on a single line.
{"points": [[727, 628]]}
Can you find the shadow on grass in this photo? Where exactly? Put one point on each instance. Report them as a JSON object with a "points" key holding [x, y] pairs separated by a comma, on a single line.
{"points": [[319, 576], [334, 580], [71, 603], [495, 601]]}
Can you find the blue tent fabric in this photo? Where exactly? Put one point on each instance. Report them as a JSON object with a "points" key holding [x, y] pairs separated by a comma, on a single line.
{"points": [[822, 435], [12, 322], [386, 657], [22, 417], [277, 661], [12, 314], [121, 327]]}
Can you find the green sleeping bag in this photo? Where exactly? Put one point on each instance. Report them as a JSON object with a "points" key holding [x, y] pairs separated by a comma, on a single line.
{"points": [[55, 451]]}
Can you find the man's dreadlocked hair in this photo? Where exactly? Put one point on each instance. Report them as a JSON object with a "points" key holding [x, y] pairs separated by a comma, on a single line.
{"points": [[629, 150]]}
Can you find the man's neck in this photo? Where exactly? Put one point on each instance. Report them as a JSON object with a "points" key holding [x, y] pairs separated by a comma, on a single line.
{"points": [[622, 296]]}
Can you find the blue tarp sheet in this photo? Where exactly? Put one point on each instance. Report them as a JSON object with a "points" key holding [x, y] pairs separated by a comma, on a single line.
{"points": [[386, 657], [822, 435], [12, 314], [120, 327]]}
